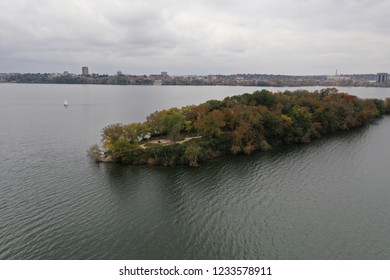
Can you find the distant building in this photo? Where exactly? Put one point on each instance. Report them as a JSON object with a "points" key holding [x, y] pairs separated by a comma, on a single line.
{"points": [[382, 77], [164, 74], [119, 73], [212, 79], [155, 77], [84, 71], [338, 78]]}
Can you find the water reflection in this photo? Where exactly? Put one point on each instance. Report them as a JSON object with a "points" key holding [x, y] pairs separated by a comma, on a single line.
{"points": [[269, 205]]}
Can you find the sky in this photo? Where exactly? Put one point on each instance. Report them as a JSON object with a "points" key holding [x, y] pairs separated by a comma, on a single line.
{"points": [[288, 37]]}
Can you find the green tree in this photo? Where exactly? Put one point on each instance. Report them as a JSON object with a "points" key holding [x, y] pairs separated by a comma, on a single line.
{"points": [[155, 122], [301, 117], [173, 123], [110, 134], [264, 97], [192, 154], [135, 132], [120, 146]]}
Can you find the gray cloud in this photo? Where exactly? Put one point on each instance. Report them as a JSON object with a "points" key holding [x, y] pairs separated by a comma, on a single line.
{"points": [[268, 36]]}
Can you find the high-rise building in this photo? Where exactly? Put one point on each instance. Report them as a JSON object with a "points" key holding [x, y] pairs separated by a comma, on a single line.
{"points": [[84, 71], [381, 77]]}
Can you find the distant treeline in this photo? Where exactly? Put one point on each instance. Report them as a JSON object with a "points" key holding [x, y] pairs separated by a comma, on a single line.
{"points": [[37, 78], [255, 80], [239, 124]]}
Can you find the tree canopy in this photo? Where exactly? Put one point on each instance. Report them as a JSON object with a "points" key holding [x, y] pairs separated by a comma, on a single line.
{"points": [[238, 124]]}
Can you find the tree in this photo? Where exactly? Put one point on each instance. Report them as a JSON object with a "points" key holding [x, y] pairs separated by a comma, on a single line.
{"points": [[173, 123], [387, 106], [241, 124], [110, 134], [192, 153], [211, 124], [264, 97], [301, 117], [120, 146], [249, 148], [241, 136], [135, 132], [198, 112], [155, 122]]}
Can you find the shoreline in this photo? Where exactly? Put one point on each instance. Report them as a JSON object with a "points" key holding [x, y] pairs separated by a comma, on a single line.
{"points": [[212, 85]]}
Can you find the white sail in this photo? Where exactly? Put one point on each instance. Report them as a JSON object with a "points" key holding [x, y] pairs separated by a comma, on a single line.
{"points": [[66, 103]]}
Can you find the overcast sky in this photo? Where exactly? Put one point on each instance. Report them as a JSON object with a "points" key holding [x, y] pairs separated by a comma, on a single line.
{"points": [[195, 37]]}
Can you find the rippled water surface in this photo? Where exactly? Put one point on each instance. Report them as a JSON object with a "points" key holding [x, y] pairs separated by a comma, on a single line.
{"points": [[326, 200]]}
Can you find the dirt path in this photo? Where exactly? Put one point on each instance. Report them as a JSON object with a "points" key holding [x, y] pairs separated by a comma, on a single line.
{"points": [[165, 142], [188, 139]]}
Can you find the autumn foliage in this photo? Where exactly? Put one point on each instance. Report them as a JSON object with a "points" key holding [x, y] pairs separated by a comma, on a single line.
{"points": [[240, 124]]}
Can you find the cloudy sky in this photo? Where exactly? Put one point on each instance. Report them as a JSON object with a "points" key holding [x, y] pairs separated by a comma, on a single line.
{"points": [[195, 37]]}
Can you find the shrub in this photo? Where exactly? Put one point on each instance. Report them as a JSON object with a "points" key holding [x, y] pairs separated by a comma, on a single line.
{"points": [[94, 152], [264, 146]]}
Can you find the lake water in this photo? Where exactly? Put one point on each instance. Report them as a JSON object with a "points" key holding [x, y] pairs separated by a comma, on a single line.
{"points": [[326, 200]]}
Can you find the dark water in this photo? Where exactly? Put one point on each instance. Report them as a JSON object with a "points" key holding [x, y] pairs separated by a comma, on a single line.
{"points": [[326, 200]]}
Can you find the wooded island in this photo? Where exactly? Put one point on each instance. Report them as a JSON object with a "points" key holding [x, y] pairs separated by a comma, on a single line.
{"points": [[235, 125]]}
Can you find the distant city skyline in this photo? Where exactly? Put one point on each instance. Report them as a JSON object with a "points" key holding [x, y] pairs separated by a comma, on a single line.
{"points": [[85, 71], [289, 37], [164, 78]]}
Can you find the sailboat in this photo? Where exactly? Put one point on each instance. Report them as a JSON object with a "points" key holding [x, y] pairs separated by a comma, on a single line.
{"points": [[66, 103]]}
